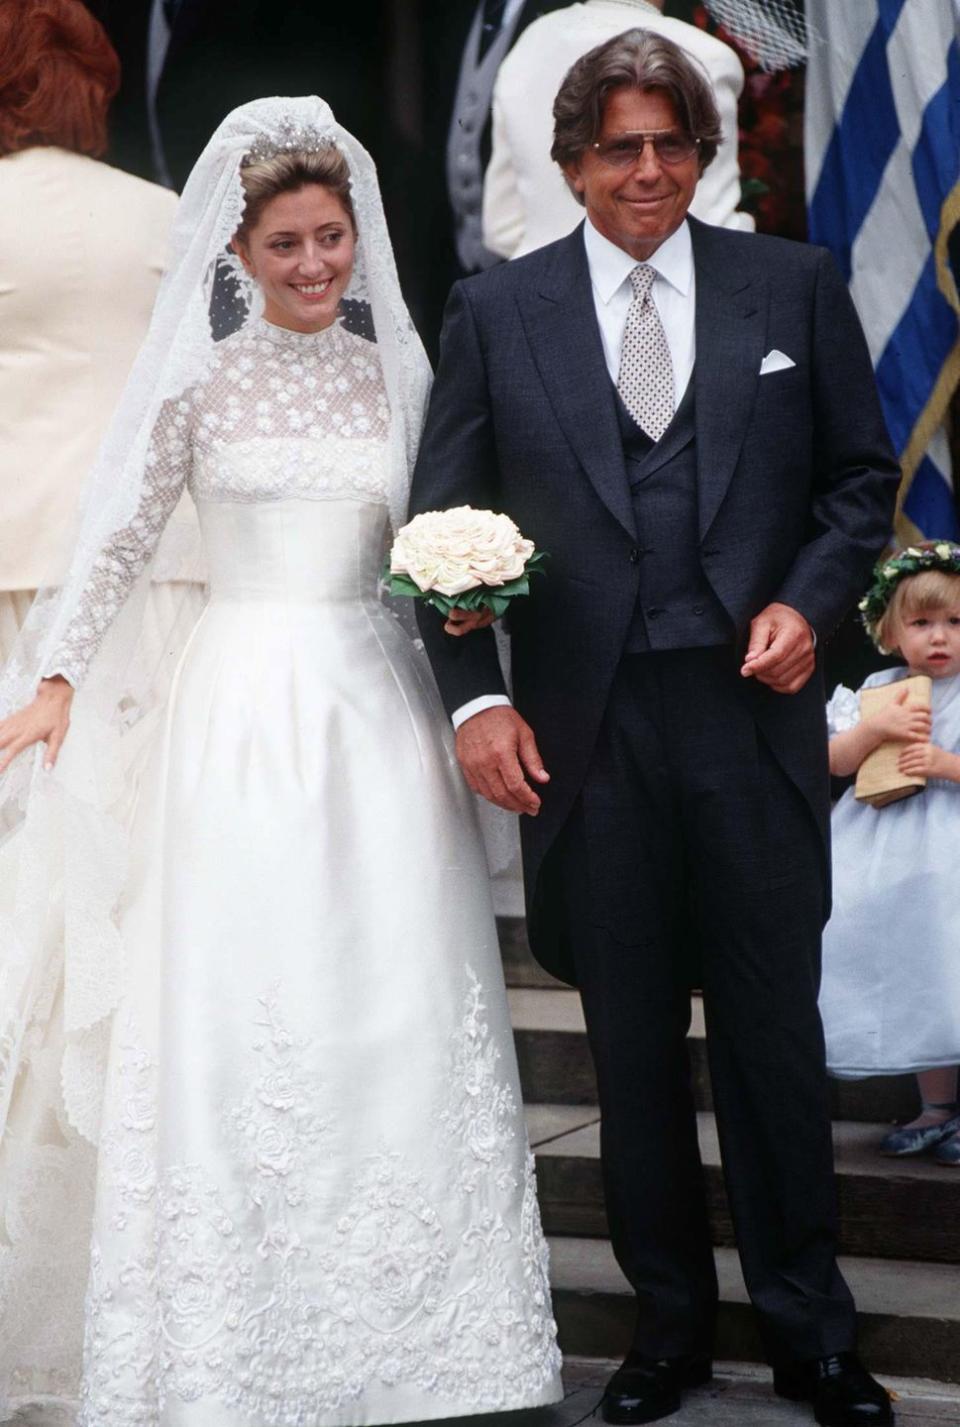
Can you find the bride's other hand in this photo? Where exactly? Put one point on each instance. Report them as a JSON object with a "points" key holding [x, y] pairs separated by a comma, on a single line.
{"points": [[45, 720], [465, 621]]}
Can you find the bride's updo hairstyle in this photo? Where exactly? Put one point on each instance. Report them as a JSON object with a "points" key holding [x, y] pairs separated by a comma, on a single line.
{"points": [[265, 179]]}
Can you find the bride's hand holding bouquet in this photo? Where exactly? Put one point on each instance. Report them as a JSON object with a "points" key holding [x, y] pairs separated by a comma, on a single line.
{"points": [[468, 564]]}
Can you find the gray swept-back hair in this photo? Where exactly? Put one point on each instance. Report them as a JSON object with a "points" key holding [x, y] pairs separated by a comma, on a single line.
{"points": [[641, 60]]}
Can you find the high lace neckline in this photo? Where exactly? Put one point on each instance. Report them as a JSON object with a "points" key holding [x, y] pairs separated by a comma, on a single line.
{"points": [[332, 338]]}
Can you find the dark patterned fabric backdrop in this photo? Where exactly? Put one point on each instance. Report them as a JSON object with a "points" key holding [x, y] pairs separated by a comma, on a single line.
{"points": [[771, 140]]}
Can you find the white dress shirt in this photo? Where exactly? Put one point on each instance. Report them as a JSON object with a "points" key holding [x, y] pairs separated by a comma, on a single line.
{"points": [[674, 294]]}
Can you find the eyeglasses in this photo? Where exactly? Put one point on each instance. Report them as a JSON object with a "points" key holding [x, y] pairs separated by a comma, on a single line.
{"points": [[671, 146]]}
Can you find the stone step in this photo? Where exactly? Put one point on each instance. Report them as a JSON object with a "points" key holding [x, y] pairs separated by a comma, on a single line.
{"points": [[519, 966], [897, 1209], [739, 1395], [909, 1313], [556, 1068]]}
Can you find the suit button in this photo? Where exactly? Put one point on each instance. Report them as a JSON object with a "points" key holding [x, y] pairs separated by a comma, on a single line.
{"points": [[634, 556], [698, 609]]}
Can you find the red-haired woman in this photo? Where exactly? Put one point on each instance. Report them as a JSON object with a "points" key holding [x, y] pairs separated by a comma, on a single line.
{"points": [[82, 248]]}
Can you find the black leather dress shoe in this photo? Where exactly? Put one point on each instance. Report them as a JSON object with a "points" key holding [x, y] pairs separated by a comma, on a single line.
{"points": [[643, 1390], [841, 1390]]}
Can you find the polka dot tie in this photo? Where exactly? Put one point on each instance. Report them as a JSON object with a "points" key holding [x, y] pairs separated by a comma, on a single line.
{"points": [[645, 381]]}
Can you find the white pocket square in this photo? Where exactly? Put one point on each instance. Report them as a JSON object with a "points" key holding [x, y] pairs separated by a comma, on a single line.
{"points": [[775, 362]]}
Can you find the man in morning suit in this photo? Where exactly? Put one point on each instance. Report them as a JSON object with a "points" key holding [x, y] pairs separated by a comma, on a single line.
{"points": [[685, 418]]}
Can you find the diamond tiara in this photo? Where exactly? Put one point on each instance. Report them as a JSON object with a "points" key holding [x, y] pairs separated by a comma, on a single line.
{"points": [[288, 138]]}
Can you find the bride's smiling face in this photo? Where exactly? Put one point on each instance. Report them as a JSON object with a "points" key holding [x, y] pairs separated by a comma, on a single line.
{"points": [[300, 254]]}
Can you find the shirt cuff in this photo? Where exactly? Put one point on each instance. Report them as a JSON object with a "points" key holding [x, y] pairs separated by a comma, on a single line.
{"points": [[475, 706]]}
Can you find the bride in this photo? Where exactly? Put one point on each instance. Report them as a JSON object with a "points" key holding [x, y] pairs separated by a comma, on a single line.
{"points": [[263, 1158]]}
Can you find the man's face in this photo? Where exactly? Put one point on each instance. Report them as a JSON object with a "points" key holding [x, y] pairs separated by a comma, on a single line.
{"points": [[638, 207]]}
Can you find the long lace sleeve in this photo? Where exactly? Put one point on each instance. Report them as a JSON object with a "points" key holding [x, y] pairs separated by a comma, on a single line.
{"points": [[124, 557]]}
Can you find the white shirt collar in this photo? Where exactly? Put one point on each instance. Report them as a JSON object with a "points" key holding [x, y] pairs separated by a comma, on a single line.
{"points": [[610, 266]]}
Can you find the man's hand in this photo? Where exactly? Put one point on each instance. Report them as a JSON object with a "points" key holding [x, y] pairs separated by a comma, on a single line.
{"points": [[498, 753], [464, 621], [781, 650]]}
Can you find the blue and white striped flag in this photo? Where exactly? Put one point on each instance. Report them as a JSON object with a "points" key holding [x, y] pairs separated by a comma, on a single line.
{"points": [[883, 188]]}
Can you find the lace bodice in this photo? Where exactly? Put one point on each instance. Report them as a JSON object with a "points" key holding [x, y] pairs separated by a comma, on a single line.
{"points": [[282, 415]]}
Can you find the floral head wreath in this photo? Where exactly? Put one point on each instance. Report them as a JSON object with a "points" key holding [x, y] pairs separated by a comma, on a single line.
{"points": [[928, 555]]}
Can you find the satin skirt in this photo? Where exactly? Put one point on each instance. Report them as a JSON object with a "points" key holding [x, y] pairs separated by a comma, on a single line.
{"points": [[315, 1198]]}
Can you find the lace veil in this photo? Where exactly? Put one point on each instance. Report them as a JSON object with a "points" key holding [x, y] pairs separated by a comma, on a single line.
{"points": [[64, 846], [774, 31]]}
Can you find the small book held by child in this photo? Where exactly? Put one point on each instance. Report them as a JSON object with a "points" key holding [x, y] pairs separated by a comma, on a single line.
{"points": [[879, 780]]}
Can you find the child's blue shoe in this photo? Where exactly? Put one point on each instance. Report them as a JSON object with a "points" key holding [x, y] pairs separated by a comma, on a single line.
{"points": [[906, 1141], [948, 1151]]}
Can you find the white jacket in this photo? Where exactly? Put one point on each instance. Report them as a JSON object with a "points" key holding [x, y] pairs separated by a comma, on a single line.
{"points": [[82, 249], [526, 201]]}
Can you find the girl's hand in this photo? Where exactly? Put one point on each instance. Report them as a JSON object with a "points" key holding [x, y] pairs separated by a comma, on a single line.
{"points": [[465, 621], [926, 760], [45, 720], [903, 722], [899, 722]]}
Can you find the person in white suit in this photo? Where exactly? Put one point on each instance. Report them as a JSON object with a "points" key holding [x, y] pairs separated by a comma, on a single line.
{"points": [[82, 251], [526, 200]]}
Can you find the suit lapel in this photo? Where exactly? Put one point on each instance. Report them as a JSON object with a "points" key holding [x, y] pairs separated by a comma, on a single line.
{"points": [[561, 326], [731, 322]]}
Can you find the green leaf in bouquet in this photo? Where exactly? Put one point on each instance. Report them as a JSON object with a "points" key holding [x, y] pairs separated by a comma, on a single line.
{"points": [[520, 586], [493, 597], [468, 600], [402, 585], [443, 603]]}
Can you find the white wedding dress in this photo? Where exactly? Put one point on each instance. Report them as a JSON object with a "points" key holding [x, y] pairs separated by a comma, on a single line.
{"points": [[315, 1202]]}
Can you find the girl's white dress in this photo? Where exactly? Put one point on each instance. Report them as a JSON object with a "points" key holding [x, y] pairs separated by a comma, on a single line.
{"points": [[315, 1202], [890, 997]]}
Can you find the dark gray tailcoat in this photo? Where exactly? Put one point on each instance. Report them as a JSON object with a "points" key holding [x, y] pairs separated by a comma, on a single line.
{"points": [[796, 483]]}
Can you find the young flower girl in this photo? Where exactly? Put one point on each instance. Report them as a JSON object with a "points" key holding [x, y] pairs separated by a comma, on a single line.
{"points": [[890, 998]]}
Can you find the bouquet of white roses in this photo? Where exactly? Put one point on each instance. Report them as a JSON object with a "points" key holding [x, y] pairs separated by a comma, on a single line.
{"points": [[462, 559]]}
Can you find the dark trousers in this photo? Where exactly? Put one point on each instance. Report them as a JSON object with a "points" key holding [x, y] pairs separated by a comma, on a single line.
{"points": [[687, 828]]}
